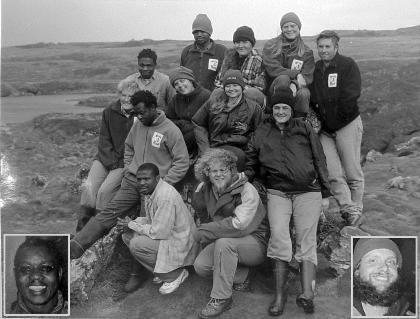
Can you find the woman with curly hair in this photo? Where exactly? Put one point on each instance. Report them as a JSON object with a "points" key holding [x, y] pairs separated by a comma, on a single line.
{"points": [[290, 63], [227, 119], [233, 228]]}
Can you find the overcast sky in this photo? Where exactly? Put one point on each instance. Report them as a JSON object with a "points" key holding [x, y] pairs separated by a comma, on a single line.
{"points": [[31, 21]]}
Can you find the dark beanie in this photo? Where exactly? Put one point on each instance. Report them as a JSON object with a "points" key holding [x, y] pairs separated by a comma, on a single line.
{"points": [[233, 77], [181, 73], [365, 245], [290, 17], [244, 33], [202, 23], [283, 95]]}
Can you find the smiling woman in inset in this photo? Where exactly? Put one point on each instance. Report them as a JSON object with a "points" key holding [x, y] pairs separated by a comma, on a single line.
{"points": [[38, 273]]}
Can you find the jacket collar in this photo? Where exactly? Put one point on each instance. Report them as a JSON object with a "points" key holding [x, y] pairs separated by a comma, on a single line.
{"points": [[211, 50]]}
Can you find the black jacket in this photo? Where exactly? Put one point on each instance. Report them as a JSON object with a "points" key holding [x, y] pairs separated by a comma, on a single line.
{"points": [[114, 130], [291, 161], [336, 103]]}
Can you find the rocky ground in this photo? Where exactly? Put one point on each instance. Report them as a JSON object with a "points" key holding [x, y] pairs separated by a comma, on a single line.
{"points": [[42, 165]]}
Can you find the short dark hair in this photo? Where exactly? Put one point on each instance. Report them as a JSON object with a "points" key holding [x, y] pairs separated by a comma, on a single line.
{"points": [[328, 34], [32, 242], [146, 97], [147, 53], [149, 167]]}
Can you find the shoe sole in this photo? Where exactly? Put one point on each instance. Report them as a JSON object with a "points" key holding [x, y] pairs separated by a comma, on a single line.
{"points": [[306, 308], [226, 309], [180, 283]]}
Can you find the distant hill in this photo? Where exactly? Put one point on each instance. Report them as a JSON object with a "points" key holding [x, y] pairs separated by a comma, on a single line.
{"points": [[415, 30]]}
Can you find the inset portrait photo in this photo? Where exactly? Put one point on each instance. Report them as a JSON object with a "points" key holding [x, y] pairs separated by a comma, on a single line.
{"points": [[35, 273], [384, 280]]}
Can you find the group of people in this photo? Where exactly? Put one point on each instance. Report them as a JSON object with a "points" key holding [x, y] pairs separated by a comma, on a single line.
{"points": [[241, 117]]}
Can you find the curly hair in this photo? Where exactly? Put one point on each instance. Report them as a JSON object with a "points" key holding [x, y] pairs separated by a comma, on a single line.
{"points": [[202, 167], [128, 86], [147, 53], [146, 97]]}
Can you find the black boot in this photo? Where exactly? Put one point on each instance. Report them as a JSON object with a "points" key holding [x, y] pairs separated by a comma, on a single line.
{"points": [[281, 272], [307, 279], [85, 214], [138, 276], [92, 231]]}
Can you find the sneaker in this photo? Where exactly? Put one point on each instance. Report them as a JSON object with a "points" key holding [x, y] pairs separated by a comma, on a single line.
{"points": [[169, 287], [156, 280], [215, 307]]}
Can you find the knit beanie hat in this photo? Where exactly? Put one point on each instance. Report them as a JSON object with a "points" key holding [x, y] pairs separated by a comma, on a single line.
{"points": [[283, 95], [244, 33], [202, 23], [233, 77], [290, 17], [365, 245], [181, 73]]}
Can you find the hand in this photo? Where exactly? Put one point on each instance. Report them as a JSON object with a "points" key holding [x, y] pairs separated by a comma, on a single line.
{"points": [[301, 81], [122, 223], [325, 204], [239, 127]]}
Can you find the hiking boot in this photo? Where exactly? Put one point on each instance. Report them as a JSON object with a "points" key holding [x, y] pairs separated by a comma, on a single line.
{"points": [[281, 272], [85, 238], [246, 285], [215, 307], [353, 219], [135, 282], [169, 287]]}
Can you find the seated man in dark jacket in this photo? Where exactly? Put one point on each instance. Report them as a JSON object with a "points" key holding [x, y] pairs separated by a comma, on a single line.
{"points": [[233, 226]]}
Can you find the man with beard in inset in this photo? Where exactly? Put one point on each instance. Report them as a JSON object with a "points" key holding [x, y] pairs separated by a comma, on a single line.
{"points": [[377, 282]]}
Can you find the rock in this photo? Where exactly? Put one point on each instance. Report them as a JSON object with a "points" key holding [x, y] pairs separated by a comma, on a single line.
{"points": [[411, 145], [373, 155], [68, 161], [409, 183], [39, 180], [83, 271], [83, 171]]}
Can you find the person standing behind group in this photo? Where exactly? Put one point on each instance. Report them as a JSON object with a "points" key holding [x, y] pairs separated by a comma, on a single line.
{"points": [[227, 119], [106, 172], [148, 79], [286, 156], [245, 58], [334, 94], [204, 57], [290, 63], [189, 98]]}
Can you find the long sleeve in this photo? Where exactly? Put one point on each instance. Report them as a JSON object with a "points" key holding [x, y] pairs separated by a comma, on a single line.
{"points": [[245, 212], [200, 122], [308, 66], [106, 151], [350, 88], [129, 147], [180, 158], [163, 221], [252, 161]]}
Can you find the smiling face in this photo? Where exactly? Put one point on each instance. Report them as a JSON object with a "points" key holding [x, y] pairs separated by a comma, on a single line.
{"points": [[326, 49], [37, 277], [220, 176], [290, 30], [379, 268], [146, 181], [233, 90], [146, 115], [243, 48], [183, 86], [146, 67], [282, 113]]}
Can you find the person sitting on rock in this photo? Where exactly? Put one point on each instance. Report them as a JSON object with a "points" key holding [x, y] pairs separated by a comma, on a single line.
{"points": [[286, 157], [162, 242], [106, 172], [227, 119], [245, 58], [147, 78], [290, 63], [233, 228], [189, 98], [152, 139]]}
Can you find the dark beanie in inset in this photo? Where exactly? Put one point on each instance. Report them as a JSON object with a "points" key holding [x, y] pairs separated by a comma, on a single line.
{"points": [[365, 245], [244, 33]]}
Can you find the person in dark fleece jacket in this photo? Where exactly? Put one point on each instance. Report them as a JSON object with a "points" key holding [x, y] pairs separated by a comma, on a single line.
{"points": [[189, 98], [286, 156], [334, 94], [106, 172], [233, 228]]}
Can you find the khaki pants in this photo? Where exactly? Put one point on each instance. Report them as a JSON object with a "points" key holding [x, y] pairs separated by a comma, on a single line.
{"points": [[305, 209], [221, 260]]}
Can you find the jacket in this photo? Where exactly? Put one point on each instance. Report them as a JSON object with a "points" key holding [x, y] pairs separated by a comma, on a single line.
{"points": [[215, 125], [204, 64], [161, 144], [398, 308], [183, 107], [112, 134], [335, 91], [238, 212], [291, 161], [170, 222], [19, 307], [281, 63]]}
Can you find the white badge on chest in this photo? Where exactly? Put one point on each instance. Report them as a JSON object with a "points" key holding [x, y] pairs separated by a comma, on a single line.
{"points": [[332, 80], [213, 63], [157, 139], [296, 65]]}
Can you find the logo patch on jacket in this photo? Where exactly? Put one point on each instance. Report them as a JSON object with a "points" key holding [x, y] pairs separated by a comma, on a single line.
{"points": [[332, 80], [156, 139], [213, 63], [296, 65]]}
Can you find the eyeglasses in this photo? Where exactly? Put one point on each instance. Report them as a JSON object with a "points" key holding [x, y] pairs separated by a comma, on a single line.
{"points": [[222, 171], [29, 270]]}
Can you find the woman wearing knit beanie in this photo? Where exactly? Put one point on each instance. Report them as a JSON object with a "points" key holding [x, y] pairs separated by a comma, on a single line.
{"points": [[190, 96], [228, 118], [245, 58], [286, 161], [289, 62]]}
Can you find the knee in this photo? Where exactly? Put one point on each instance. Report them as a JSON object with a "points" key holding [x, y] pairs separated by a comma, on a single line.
{"points": [[223, 245], [303, 93], [282, 80], [201, 267]]}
